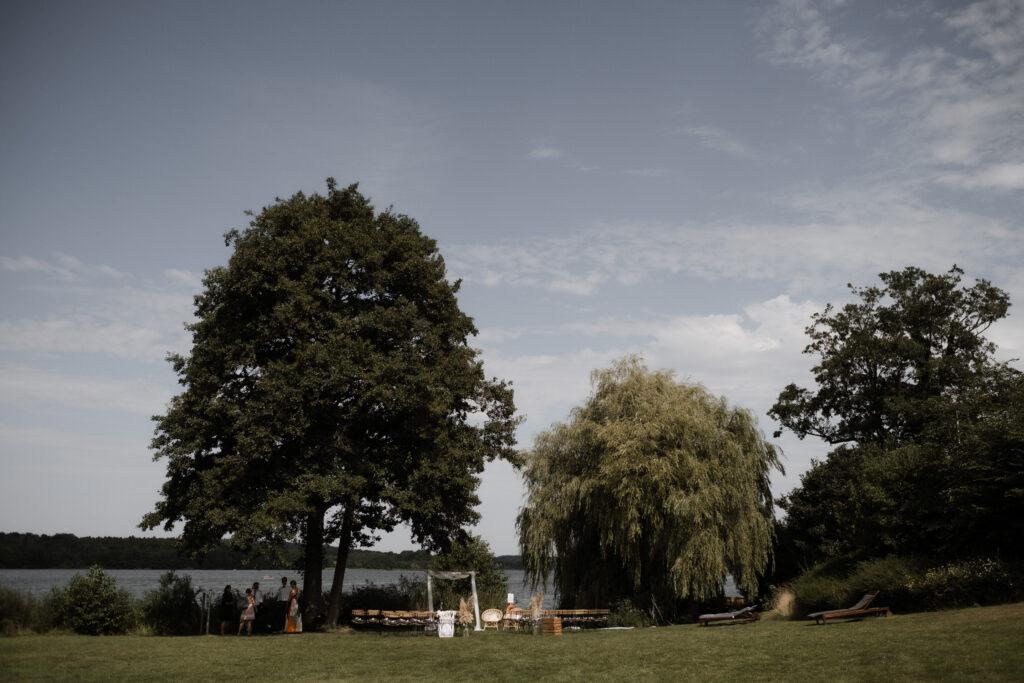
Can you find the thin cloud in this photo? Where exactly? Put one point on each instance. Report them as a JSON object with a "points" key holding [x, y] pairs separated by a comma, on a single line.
{"points": [[544, 153], [99, 310], [837, 241], [1007, 177], [946, 113], [722, 141], [25, 386], [647, 172]]}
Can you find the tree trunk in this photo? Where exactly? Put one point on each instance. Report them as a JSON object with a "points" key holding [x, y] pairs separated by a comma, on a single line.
{"points": [[344, 543], [312, 590]]}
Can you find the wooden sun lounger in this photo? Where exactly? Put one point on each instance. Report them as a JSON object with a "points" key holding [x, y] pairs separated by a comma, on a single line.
{"points": [[745, 614], [862, 608]]}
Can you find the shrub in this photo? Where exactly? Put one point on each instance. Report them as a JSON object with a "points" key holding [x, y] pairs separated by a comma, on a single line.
{"points": [[172, 610], [818, 588], [908, 584], [625, 613], [405, 595], [893, 577], [967, 583], [93, 605]]}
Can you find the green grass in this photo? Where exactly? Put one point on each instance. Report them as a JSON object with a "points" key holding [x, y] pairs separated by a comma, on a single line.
{"points": [[972, 644]]}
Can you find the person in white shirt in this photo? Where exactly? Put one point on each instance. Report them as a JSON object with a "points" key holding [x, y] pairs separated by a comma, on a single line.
{"points": [[281, 605]]}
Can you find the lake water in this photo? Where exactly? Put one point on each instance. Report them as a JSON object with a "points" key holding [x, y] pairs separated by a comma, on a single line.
{"points": [[38, 582]]}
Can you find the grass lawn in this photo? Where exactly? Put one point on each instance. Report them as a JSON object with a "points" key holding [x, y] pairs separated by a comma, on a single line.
{"points": [[963, 645]]}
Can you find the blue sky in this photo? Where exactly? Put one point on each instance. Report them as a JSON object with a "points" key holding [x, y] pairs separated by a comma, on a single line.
{"points": [[686, 181]]}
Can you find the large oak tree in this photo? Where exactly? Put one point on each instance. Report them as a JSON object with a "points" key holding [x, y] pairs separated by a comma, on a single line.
{"points": [[330, 393]]}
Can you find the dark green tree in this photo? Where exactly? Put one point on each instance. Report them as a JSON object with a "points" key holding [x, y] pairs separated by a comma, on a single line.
{"points": [[470, 554], [889, 360], [926, 422], [330, 393], [654, 489]]}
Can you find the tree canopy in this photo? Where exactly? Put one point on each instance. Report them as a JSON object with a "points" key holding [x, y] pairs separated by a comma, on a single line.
{"points": [[930, 455], [472, 554], [887, 361], [330, 392], [654, 489]]}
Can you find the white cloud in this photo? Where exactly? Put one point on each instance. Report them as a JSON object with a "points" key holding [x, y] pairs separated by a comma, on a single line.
{"points": [[544, 153], [996, 26], [99, 310], [932, 106], [721, 140], [848, 234], [647, 172], [28, 387], [995, 177], [183, 278]]}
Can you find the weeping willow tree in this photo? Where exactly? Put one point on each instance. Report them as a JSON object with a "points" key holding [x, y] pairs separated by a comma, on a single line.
{"points": [[654, 489]]}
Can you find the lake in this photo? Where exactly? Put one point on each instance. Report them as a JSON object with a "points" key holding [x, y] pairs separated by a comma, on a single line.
{"points": [[38, 582], [138, 582]]}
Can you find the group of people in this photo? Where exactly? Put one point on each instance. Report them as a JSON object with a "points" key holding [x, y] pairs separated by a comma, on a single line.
{"points": [[284, 608]]}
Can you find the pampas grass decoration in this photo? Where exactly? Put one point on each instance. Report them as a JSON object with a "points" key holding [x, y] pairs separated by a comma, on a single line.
{"points": [[465, 611], [536, 605]]}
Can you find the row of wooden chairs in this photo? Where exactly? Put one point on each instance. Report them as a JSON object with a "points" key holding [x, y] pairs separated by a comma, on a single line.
{"points": [[583, 618], [392, 618], [513, 620]]}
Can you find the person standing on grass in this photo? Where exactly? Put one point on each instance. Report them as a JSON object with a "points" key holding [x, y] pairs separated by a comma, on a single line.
{"points": [[248, 614], [257, 596], [293, 624], [281, 604], [227, 609]]}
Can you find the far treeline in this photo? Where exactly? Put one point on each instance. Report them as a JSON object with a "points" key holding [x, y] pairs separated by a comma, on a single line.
{"points": [[67, 551]]}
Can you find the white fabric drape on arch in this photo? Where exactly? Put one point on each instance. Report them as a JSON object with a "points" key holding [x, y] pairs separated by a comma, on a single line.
{"points": [[451, 576]]}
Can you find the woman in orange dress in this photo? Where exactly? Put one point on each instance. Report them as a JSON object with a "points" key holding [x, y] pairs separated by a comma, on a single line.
{"points": [[293, 622]]}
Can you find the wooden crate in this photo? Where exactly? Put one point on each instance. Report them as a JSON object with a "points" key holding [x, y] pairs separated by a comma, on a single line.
{"points": [[551, 626]]}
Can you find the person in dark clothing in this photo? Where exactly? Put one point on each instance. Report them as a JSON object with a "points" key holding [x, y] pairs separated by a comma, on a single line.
{"points": [[227, 609]]}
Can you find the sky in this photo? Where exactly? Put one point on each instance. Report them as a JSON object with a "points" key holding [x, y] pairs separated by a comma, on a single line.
{"points": [[686, 181]]}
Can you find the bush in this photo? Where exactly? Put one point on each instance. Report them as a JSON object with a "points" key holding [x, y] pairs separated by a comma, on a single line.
{"points": [[967, 583], [893, 577], [625, 613], [172, 610], [907, 584], [405, 595], [93, 605], [818, 588]]}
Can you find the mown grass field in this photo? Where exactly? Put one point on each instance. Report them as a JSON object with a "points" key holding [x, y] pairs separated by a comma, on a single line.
{"points": [[964, 645]]}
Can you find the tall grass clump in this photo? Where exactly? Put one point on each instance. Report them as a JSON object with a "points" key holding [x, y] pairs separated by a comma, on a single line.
{"points": [[171, 609], [93, 605], [21, 612]]}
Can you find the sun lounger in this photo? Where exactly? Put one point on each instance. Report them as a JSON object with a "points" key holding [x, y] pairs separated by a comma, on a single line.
{"points": [[746, 614], [862, 608]]}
